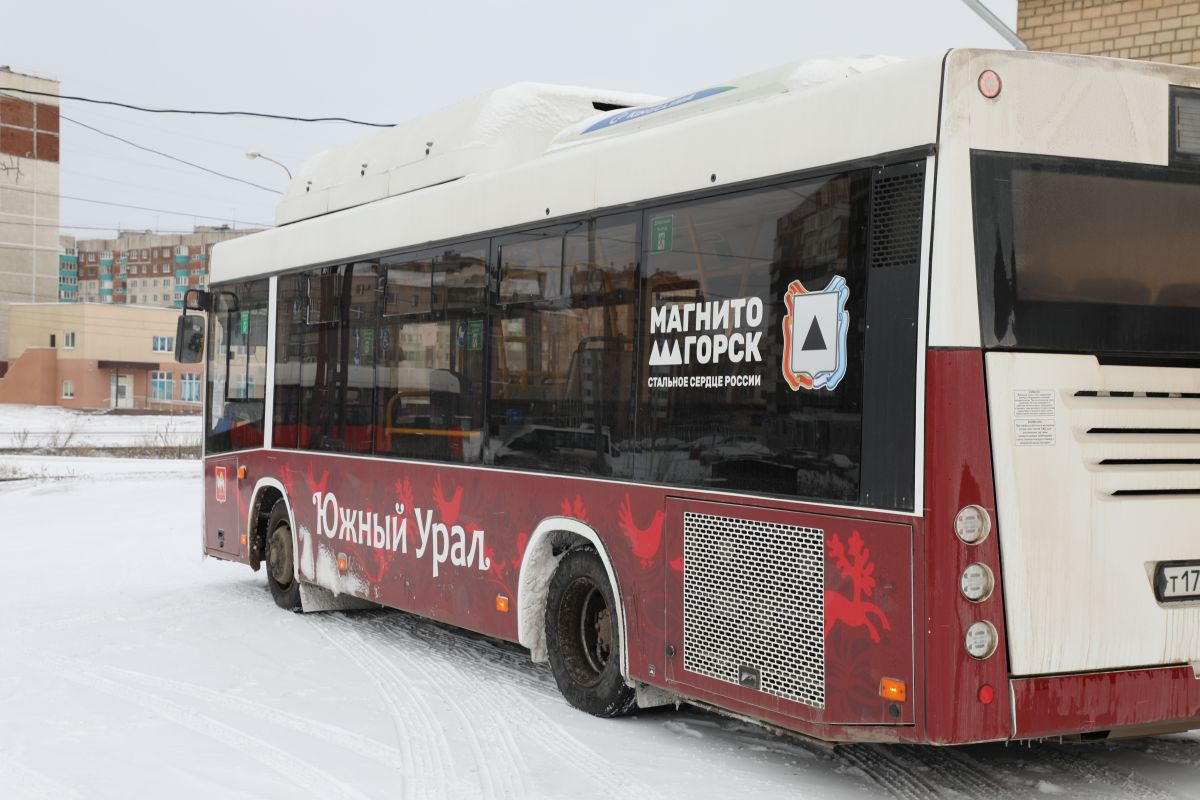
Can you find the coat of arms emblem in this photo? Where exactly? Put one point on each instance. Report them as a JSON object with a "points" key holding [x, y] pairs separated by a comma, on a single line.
{"points": [[814, 335]]}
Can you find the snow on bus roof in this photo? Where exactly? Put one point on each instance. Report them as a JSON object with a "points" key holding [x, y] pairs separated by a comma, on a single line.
{"points": [[491, 131], [515, 124]]}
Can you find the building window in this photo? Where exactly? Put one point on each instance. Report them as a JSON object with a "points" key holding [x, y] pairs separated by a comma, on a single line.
{"points": [[161, 386], [68, 389], [164, 344], [189, 387], [69, 339]]}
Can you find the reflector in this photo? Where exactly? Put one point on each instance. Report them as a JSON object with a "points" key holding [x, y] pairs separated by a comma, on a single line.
{"points": [[989, 84], [893, 689]]}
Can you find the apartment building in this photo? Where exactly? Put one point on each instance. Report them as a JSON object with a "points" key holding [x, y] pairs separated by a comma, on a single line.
{"points": [[97, 356], [29, 187], [142, 268]]}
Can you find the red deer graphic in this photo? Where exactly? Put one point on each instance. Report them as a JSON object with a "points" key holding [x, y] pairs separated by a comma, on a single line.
{"points": [[858, 568], [646, 541]]}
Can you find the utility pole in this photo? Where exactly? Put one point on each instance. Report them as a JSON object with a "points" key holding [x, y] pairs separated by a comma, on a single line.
{"points": [[996, 24]]}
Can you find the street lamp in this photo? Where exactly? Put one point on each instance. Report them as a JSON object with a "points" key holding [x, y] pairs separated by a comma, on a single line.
{"points": [[280, 164]]}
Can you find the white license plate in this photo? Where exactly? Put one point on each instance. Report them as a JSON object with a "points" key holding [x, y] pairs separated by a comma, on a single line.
{"points": [[1177, 580]]}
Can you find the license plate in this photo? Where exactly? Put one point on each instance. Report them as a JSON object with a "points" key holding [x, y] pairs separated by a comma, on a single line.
{"points": [[1177, 580]]}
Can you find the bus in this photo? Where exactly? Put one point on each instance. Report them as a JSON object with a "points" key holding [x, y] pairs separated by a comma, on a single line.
{"points": [[859, 397]]}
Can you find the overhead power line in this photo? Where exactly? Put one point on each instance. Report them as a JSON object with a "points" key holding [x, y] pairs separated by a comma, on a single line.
{"points": [[148, 110], [168, 155], [126, 205], [156, 152], [125, 228]]}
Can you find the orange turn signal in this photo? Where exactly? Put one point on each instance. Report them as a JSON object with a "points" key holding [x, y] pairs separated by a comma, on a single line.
{"points": [[342, 563], [241, 473], [502, 603], [243, 540], [892, 689]]}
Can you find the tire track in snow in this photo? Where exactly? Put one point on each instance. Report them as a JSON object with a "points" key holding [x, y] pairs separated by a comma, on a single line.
{"points": [[404, 706], [491, 734], [463, 653], [30, 784], [896, 779], [493, 778], [336, 735], [952, 770], [1124, 783], [1162, 749], [291, 768]]}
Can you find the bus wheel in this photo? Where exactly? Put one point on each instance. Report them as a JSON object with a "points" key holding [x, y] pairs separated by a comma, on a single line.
{"points": [[281, 574], [582, 636]]}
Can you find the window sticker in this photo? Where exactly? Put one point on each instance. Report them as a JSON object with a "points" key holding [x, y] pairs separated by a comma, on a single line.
{"points": [[814, 335]]}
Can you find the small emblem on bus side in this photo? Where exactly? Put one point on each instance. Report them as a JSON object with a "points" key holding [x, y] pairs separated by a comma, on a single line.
{"points": [[814, 335], [220, 475]]}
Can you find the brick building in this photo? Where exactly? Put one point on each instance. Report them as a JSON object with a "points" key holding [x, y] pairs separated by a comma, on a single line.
{"points": [[138, 267], [29, 181], [95, 356], [1151, 30]]}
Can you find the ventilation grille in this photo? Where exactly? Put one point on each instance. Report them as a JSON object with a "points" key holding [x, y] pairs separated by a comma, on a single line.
{"points": [[897, 199], [754, 605]]}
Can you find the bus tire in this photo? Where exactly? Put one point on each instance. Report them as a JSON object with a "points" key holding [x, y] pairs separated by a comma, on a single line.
{"points": [[582, 636], [281, 571]]}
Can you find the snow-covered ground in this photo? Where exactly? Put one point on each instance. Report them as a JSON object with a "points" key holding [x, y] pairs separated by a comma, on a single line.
{"points": [[24, 426], [130, 667]]}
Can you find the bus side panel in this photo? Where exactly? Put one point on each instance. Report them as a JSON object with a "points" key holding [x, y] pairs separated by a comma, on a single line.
{"points": [[805, 614], [958, 472], [447, 543], [226, 501]]}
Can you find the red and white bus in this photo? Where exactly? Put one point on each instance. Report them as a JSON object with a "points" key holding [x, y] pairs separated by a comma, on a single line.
{"points": [[860, 398]]}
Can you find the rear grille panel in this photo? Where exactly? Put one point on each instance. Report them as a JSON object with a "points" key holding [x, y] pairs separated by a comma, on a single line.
{"points": [[754, 604], [1140, 443]]}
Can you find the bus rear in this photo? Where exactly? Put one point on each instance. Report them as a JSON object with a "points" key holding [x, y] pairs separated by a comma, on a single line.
{"points": [[1068, 266]]}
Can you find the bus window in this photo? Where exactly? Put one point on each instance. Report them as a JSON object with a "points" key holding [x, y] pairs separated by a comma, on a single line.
{"points": [[460, 277], [561, 381], [237, 367], [429, 365], [1086, 256], [429, 375], [715, 408], [325, 365]]}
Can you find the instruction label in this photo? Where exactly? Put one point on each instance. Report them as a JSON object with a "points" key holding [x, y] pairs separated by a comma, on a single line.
{"points": [[1034, 412]]}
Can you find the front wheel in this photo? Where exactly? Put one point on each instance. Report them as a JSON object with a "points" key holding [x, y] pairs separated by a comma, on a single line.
{"points": [[281, 572], [582, 636]]}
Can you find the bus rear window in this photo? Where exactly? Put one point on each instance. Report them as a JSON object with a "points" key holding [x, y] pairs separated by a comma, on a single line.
{"points": [[1087, 256]]}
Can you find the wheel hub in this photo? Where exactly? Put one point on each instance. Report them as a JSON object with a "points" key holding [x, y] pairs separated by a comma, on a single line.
{"points": [[279, 555]]}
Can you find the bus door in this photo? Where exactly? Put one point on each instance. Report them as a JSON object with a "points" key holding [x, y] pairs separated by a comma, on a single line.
{"points": [[800, 614]]}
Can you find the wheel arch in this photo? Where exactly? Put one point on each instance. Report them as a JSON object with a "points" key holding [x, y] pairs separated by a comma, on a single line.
{"points": [[256, 516], [537, 567]]}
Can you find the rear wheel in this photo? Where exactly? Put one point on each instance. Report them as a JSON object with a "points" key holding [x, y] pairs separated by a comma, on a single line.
{"points": [[582, 636], [281, 572]]}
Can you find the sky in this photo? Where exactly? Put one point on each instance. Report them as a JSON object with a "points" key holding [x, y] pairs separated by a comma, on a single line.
{"points": [[384, 62]]}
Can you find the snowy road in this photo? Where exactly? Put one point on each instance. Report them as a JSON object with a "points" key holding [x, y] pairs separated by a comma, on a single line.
{"points": [[130, 667]]}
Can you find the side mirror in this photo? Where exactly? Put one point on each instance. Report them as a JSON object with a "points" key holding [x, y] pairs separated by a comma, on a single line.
{"points": [[189, 339]]}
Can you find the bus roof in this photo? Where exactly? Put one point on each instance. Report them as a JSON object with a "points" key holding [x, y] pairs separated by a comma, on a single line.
{"points": [[533, 151]]}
